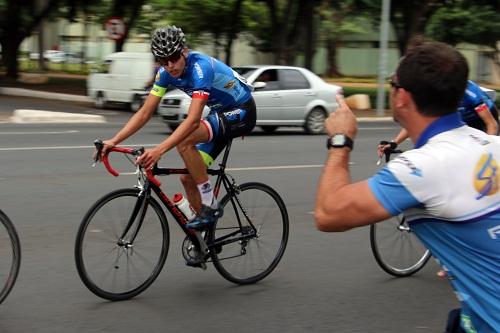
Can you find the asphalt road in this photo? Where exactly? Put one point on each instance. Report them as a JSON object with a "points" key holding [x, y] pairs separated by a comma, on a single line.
{"points": [[325, 282]]}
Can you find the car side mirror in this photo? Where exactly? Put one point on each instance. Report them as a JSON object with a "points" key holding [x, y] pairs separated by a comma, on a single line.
{"points": [[259, 85]]}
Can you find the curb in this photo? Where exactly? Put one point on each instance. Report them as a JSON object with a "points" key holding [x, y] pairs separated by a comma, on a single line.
{"points": [[43, 94], [24, 116]]}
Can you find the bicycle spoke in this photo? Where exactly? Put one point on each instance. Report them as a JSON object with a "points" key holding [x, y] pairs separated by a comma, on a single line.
{"points": [[248, 256], [111, 267]]}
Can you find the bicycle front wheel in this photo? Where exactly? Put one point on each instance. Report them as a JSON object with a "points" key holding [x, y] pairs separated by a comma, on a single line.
{"points": [[250, 238], [115, 267], [10, 256], [396, 248]]}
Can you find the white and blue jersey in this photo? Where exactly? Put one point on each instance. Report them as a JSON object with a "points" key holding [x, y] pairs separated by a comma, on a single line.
{"points": [[449, 190], [206, 77]]}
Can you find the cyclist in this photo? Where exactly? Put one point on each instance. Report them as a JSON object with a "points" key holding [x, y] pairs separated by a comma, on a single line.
{"points": [[448, 187], [476, 109], [199, 141]]}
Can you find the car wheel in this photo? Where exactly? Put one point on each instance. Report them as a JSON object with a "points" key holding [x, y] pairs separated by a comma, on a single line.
{"points": [[269, 129], [136, 103], [315, 121], [100, 100]]}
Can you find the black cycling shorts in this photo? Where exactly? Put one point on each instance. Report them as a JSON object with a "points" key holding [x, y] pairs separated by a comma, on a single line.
{"points": [[225, 125]]}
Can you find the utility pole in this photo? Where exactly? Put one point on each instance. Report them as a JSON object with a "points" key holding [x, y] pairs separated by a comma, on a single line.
{"points": [[382, 63]]}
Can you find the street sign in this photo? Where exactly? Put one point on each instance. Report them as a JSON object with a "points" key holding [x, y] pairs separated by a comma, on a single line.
{"points": [[115, 28]]}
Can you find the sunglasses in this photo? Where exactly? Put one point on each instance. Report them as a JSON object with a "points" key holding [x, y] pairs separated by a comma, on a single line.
{"points": [[173, 58], [393, 83]]}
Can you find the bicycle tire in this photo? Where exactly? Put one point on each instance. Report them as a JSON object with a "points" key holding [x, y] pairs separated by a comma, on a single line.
{"points": [[396, 249], [97, 248], [10, 255], [235, 261]]}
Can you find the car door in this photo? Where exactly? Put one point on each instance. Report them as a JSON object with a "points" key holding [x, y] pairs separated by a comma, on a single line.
{"points": [[268, 99], [296, 95]]}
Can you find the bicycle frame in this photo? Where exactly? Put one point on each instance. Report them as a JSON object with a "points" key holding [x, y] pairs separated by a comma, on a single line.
{"points": [[151, 183]]}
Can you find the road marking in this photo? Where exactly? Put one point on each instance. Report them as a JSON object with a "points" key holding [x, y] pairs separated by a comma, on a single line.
{"points": [[279, 167], [63, 147], [24, 133]]}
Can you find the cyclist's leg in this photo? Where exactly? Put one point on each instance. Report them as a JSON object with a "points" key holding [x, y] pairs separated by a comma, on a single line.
{"points": [[194, 163]]}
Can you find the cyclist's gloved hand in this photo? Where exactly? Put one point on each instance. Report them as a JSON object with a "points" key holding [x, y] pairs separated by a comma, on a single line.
{"points": [[384, 145]]}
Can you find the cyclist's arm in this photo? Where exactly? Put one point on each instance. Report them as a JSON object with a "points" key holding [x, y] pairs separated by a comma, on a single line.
{"points": [[485, 114], [188, 125], [341, 205], [138, 120]]}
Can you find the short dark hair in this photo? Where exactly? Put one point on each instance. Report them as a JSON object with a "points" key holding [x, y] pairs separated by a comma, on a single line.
{"points": [[436, 76]]}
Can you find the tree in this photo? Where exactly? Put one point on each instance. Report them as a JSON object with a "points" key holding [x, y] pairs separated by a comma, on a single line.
{"points": [[469, 22], [338, 18], [19, 20], [222, 20]]}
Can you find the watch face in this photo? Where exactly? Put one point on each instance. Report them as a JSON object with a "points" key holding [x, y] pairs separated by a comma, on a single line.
{"points": [[338, 140]]}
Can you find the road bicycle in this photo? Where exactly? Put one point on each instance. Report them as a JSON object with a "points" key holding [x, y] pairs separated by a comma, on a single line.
{"points": [[10, 255], [395, 247], [123, 240]]}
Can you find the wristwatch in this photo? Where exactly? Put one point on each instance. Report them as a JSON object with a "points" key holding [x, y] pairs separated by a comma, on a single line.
{"points": [[339, 140]]}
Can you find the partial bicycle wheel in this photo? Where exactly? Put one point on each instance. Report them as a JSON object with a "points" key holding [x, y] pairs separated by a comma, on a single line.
{"points": [[252, 234], [116, 268], [10, 256], [396, 248]]}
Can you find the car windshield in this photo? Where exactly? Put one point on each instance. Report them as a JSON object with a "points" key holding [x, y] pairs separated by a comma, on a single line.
{"points": [[244, 71]]}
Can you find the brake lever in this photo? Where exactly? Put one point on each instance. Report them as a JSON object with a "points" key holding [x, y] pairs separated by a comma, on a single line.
{"points": [[99, 145]]}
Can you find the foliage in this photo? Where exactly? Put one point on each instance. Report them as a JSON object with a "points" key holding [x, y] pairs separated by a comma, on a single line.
{"points": [[470, 23]]}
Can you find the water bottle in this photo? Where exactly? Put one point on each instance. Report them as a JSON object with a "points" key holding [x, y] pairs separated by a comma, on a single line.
{"points": [[184, 206]]}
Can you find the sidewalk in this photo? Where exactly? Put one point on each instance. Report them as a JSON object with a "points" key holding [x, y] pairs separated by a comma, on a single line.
{"points": [[369, 115]]}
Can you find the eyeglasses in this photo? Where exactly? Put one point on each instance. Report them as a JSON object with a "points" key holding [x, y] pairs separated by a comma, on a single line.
{"points": [[173, 58], [393, 83]]}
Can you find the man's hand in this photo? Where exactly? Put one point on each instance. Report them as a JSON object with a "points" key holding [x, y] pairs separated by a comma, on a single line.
{"points": [[149, 158], [342, 120], [108, 144]]}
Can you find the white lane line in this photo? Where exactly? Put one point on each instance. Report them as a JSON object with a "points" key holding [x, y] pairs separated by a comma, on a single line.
{"points": [[24, 133], [63, 147], [279, 167]]}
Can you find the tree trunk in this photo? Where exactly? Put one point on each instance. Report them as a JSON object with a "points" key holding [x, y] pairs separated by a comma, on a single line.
{"points": [[309, 34], [331, 49], [9, 50], [233, 30]]}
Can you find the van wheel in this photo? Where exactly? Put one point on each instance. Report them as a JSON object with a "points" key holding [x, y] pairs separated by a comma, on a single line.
{"points": [[136, 103], [315, 121], [173, 127], [100, 101], [269, 129]]}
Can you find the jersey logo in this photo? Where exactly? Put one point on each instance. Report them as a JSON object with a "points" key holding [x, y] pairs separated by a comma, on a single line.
{"points": [[230, 84], [486, 176], [198, 70], [414, 170], [494, 232]]}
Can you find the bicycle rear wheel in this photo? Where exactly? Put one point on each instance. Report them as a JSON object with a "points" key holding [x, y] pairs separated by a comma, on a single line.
{"points": [[10, 256], [396, 248], [242, 254], [118, 269]]}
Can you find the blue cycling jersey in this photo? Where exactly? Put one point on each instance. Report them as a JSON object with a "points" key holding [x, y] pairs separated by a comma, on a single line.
{"points": [[207, 77], [455, 214], [473, 97]]}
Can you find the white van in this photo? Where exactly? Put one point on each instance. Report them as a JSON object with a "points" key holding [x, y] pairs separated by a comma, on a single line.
{"points": [[123, 78]]}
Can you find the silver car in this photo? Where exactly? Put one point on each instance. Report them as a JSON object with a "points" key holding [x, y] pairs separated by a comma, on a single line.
{"points": [[284, 95]]}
